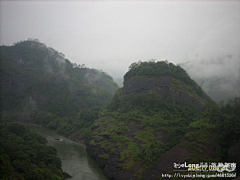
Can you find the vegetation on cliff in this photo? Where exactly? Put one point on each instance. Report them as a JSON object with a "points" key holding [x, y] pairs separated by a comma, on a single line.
{"points": [[160, 116], [160, 69], [142, 131], [39, 85], [24, 155]]}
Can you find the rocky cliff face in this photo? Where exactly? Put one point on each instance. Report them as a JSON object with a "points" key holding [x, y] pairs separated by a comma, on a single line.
{"points": [[109, 153], [112, 163], [168, 90]]}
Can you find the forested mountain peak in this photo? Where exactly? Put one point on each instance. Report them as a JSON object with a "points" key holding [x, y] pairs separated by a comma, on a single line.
{"points": [[48, 60], [168, 82], [159, 117], [155, 69], [160, 69], [39, 84]]}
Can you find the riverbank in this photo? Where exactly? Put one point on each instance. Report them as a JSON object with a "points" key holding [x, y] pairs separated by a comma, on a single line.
{"points": [[75, 160], [77, 137]]}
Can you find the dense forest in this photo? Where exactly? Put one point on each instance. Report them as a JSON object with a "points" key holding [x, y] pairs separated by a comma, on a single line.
{"points": [[149, 125], [158, 117], [25, 156], [39, 85]]}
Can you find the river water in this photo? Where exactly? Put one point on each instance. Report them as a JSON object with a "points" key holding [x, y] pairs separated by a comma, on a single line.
{"points": [[75, 160]]}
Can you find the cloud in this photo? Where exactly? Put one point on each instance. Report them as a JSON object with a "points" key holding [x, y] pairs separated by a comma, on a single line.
{"points": [[112, 35], [215, 64]]}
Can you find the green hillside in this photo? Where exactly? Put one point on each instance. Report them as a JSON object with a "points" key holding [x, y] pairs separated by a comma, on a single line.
{"points": [[38, 84], [25, 156], [159, 117]]}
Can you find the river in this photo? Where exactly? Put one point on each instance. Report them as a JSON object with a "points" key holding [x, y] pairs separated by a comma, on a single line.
{"points": [[75, 160]]}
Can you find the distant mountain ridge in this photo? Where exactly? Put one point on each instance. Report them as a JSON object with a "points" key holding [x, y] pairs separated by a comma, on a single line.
{"points": [[220, 78]]}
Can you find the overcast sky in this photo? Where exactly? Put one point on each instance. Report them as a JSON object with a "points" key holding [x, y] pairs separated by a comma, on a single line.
{"points": [[110, 35]]}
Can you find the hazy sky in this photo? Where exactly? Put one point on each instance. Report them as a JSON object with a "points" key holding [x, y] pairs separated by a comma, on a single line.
{"points": [[110, 35]]}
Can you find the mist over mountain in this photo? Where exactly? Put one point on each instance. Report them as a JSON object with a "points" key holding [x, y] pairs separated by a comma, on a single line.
{"points": [[219, 77], [119, 81], [159, 116], [40, 85], [143, 87], [215, 62]]}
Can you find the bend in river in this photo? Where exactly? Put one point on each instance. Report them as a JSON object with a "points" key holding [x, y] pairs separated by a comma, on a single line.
{"points": [[75, 160]]}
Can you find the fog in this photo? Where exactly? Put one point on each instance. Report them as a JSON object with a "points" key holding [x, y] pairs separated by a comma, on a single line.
{"points": [[203, 36], [215, 64]]}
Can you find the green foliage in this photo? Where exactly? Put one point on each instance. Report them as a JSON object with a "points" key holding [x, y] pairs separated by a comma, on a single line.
{"points": [[160, 69], [92, 142], [129, 156], [202, 124], [24, 155], [197, 151], [50, 89], [199, 136], [133, 122], [150, 103], [232, 107], [144, 136], [144, 126], [229, 123], [113, 131], [217, 127], [103, 156], [152, 153]]}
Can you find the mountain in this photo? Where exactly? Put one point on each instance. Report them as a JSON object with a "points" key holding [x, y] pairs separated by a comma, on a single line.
{"points": [[38, 84], [219, 78], [159, 117], [220, 88]]}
